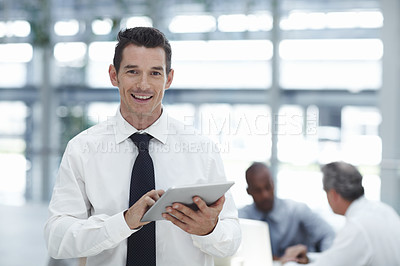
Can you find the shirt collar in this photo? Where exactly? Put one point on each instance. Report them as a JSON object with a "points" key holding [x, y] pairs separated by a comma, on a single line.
{"points": [[159, 129], [353, 207], [259, 215], [273, 214], [276, 211]]}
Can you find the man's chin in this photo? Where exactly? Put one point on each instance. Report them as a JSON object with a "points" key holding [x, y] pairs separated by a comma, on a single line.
{"points": [[146, 112], [265, 208], [142, 113]]}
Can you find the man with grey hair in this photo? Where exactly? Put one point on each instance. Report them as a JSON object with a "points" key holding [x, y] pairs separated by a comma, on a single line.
{"points": [[371, 234]]}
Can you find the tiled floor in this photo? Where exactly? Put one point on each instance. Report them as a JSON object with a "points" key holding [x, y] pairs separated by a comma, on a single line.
{"points": [[21, 235]]}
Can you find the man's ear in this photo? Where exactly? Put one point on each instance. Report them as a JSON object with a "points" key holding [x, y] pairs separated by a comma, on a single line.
{"points": [[335, 194], [112, 72], [170, 77]]}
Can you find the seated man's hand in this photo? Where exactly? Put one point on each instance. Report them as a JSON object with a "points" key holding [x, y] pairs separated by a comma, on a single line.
{"points": [[200, 222], [297, 253]]}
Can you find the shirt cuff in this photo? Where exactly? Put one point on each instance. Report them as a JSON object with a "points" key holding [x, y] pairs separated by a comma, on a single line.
{"points": [[212, 237], [117, 228]]}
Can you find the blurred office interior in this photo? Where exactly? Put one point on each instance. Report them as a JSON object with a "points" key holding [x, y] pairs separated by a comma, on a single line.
{"points": [[294, 83]]}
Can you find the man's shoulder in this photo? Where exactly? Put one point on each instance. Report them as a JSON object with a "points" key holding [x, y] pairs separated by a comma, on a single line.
{"points": [[187, 132], [368, 210], [247, 212], [247, 207], [179, 127], [293, 208], [96, 132], [292, 204]]}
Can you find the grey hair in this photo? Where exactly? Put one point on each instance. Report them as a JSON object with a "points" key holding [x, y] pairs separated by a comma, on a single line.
{"points": [[344, 178]]}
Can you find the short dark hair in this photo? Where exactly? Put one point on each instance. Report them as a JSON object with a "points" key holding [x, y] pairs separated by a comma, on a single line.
{"points": [[142, 36], [254, 167], [344, 178]]}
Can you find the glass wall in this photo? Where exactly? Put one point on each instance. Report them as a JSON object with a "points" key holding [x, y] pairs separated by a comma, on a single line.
{"points": [[13, 163], [322, 47]]}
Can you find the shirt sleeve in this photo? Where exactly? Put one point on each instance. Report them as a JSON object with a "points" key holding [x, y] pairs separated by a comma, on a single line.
{"points": [[225, 239], [319, 232], [69, 231], [351, 247]]}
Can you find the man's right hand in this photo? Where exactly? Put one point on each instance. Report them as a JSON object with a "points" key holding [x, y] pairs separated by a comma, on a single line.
{"points": [[135, 213]]}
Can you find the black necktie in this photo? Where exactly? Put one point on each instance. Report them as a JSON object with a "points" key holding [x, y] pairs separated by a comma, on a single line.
{"points": [[142, 244]]}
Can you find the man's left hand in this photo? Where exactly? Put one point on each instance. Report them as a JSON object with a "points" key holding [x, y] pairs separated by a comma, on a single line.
{"points": [[200, 222]]}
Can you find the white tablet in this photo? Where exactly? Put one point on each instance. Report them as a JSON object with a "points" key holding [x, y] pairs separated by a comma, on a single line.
{"points": [[210, 193]]}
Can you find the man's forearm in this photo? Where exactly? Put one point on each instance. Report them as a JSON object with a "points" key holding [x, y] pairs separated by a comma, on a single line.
{"points": [[69, 237]]}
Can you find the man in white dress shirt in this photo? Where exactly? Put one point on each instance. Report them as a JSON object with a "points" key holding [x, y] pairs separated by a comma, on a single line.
{"points": [[90, 217], [371, 235]]}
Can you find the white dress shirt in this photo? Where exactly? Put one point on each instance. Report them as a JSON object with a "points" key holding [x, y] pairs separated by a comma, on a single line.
{"points": [[92, 192], [370, 237]]}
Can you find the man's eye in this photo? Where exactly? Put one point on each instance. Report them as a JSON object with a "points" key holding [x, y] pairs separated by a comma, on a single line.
{"points": [[132, 71], [155, 73]]}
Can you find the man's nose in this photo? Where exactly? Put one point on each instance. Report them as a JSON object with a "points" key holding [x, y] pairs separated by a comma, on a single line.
{"points": [[143, 83]]}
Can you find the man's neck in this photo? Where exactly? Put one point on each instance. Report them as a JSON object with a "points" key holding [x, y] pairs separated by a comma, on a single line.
{"points": [[140, 121]]}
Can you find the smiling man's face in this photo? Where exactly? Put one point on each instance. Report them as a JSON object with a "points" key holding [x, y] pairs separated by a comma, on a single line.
{"points": [[142, 80]]}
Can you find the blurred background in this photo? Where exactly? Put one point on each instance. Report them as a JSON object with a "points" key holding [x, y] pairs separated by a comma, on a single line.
{"points": [[294, 83]]}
